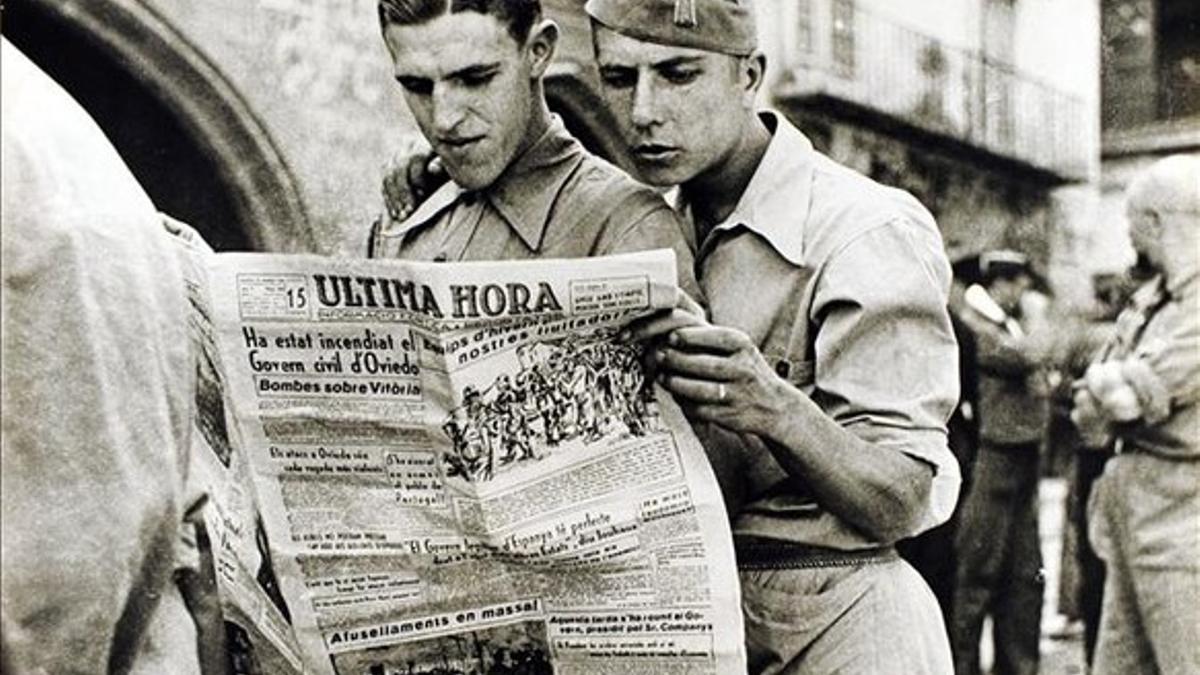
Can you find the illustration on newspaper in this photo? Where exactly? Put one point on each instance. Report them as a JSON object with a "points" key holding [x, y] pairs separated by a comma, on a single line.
{"points": [[454, 468]]}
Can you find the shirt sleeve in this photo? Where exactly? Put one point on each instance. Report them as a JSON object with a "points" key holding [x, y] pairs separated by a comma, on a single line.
{"points": [[1165, 371], [997, 352], [886, 356]]}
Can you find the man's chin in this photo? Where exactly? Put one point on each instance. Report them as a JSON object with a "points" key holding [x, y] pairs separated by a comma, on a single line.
{"points": [[660, 175], [469, 178]]}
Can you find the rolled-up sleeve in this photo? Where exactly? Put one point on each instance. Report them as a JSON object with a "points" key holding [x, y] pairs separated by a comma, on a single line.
{"points": [[886, 355]]}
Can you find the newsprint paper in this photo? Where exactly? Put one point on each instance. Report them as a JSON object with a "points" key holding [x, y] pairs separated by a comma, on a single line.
{"points": [[454, 468]]}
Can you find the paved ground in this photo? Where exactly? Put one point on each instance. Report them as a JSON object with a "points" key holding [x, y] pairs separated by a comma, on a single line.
{"points": [[1060, 655]]}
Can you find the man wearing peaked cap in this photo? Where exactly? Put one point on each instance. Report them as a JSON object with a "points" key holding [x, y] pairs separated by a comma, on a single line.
{"points": [[725, 26], [997, 544], [824, 374]]}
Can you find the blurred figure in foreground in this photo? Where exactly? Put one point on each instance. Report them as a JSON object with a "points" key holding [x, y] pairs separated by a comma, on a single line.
{"points": [[97, 400], [1141, 393]]}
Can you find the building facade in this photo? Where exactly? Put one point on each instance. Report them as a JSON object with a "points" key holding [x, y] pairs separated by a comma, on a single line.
{"points": [[266, 123], [1150, 93], [978, 107]]}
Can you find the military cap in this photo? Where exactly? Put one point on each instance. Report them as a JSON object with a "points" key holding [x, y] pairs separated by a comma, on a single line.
{"points": [[725, 26]]}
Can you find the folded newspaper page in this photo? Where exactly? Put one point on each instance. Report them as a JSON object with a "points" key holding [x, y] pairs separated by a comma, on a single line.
{"points": [[231, 540], [459, 468]]}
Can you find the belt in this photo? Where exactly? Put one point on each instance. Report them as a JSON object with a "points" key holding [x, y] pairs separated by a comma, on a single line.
{"points": [[784, 555], [1126, 446]]}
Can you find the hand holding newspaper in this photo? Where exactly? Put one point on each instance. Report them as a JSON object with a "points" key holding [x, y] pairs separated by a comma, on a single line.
{"points": [[455, 468]]}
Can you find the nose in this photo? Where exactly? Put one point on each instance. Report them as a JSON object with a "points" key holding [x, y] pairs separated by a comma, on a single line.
{"points": [[448, 110], [645, 103]]}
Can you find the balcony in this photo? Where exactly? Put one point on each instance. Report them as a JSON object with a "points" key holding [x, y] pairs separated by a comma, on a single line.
{"points": [[843, 58]]}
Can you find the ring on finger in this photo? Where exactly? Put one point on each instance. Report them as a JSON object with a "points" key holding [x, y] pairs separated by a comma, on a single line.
{"points": [[721, 391]]}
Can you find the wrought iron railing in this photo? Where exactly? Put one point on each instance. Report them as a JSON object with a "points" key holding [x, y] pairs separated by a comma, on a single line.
{"points": [[844, 51]]}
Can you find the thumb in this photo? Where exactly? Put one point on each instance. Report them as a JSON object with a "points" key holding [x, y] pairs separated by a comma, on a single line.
{"points": [[436, 167]]}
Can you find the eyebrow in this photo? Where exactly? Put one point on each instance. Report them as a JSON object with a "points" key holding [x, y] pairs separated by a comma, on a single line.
{"points": [[679, 61], [477, 69], [658, 65]]}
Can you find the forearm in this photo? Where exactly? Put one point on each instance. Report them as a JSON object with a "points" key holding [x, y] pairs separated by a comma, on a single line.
{"points": [[882, 492]]}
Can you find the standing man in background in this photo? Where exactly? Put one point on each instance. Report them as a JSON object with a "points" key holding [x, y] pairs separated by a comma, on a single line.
{"points": [[997, 544], [1142, 393]]}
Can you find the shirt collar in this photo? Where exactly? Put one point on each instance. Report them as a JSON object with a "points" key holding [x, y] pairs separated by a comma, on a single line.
{"points": [[778, 192], [525, 192]]}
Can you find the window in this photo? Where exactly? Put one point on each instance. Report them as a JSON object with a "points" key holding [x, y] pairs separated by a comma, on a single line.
{"points": [[1127, 69], [1151, 65], [1178, 62], [843, 36], [804, 28]]}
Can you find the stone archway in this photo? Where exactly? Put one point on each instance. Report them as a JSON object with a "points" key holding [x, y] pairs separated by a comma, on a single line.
{"points": [[188, 135]]}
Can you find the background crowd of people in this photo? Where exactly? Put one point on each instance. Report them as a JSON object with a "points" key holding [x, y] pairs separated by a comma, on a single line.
{"points": [[1052, 393]]}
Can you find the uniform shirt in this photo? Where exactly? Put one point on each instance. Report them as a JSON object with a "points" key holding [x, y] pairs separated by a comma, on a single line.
{"points": [[849, 284], [556, 200], [1011, 409], [1158, 342], [97, 398]]}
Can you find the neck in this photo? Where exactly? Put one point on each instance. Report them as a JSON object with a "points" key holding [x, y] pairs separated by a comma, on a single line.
{"points": [[539, 120], [714, 193], [1180, 266]]}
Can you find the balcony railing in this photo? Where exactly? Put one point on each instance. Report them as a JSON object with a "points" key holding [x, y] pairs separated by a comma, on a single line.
{"points": [[842, 51]]}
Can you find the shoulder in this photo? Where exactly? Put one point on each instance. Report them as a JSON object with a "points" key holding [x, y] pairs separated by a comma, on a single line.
{"points": [[845, 205], [598, 182], [601, 203]]}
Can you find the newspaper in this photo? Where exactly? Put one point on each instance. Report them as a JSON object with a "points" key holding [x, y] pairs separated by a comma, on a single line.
{"points": [[456, 468], [231, 537]]}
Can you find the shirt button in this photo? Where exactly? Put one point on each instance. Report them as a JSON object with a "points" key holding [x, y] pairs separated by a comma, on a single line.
{"points": [[783, 368]]}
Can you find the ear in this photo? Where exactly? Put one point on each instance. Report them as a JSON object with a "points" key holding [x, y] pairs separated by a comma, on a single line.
{"points": [[542, 42], [752, 73]]}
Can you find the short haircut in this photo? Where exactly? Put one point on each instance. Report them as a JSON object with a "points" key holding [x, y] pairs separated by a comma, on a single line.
{"points": [[518, 15]]}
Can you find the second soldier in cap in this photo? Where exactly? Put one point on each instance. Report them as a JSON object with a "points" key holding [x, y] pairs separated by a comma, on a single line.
{"points": [[825, 369]]}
